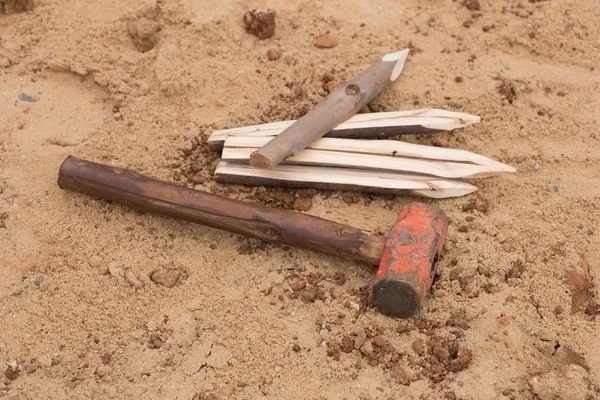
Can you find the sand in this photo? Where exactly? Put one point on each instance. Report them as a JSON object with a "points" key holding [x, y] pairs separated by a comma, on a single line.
{"points": [[512, 314]]}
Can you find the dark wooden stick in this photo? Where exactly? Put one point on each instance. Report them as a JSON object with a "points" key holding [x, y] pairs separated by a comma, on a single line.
{"points": [[341, 104], [248, 219]]}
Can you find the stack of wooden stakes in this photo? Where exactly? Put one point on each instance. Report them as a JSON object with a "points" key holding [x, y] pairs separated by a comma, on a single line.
{"points": [[296, 153]]}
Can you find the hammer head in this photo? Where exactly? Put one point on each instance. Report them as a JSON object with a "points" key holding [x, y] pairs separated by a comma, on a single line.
{"points": [[410, 259]]}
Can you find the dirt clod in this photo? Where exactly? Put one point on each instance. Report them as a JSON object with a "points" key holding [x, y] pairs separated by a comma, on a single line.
{"points": [[302, 204], [347, 344], [472, 5], [273, 54], [16, 6], [165, 277], [11, 372], [310, 294], [144, 34], [326, 41], [260, 23], [298, 285]]}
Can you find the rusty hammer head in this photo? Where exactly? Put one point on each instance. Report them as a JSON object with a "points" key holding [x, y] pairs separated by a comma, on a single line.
{"points": [[410, 259]]}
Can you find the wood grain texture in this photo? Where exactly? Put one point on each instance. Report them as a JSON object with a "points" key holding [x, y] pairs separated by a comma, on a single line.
{"points": [[301, 176], [372, 125], [270, 225], [387, 155]]}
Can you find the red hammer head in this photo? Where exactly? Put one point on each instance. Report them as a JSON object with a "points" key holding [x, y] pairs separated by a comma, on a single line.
{"points": [[410, 259]]}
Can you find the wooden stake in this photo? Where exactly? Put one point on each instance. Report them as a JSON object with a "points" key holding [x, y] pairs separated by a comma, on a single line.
{"points": [[341, 104], [371, 125], [342, 179], [388, 155]]}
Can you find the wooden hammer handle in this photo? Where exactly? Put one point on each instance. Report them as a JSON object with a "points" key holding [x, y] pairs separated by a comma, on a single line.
{"points": [[244, 218]]}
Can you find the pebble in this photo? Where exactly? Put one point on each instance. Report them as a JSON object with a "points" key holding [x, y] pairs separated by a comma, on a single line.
{"points": [[536, 167], [367, 348], [114, 270], [302, 204], [38, 282], [95, 261], [325, 41], [165, 277], [26, 97], [273, 54]]}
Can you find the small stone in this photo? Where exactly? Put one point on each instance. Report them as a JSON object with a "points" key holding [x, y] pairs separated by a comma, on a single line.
{"points": [[298, 285], [367, 348], [302, 204], [26, 97], [458, 79], [38, 282], [273, 54], [325, 41], [296, 347], [536, 167], [348, 199], [143, 33], [95, 261], [114, 270], [260, 23], [165, 277]]}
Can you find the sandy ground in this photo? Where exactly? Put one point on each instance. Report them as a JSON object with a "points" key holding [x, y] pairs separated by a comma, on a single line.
{"points": [[513, 313]]}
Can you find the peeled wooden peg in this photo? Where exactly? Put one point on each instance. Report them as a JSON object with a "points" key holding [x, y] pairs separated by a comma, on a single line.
{"points": [[345, 101]]}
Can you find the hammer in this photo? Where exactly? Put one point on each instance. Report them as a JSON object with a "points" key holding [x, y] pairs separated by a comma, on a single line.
{"points": [[407, 258]]}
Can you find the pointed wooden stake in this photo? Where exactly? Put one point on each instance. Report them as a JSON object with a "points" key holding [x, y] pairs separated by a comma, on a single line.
{"points": [[371, 125], [389, 155], [341, 104], [342, 179]]}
